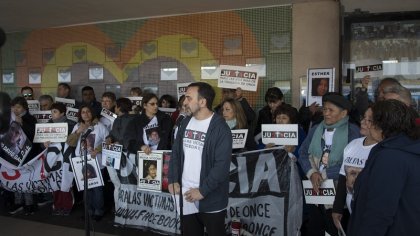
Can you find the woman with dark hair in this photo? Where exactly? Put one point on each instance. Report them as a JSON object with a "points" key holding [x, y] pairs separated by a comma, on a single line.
{"points": [[152, 119], [320, 86], [167, 101], [98, 133], [274, 99], [235, 118], [386, 192]]}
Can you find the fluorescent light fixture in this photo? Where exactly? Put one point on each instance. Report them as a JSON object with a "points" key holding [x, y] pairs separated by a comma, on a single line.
{"points": [[389, 61]]}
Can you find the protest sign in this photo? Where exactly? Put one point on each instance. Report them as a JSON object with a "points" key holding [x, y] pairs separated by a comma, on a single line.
{"points": [[136, 100], [33, 105], [71, 114], [66, 101], [239, 138], [320, 81], [280, 134], [93, 172], [111, 155], [325, 195], [150, 171], [108, 114], [233, 77], [52, 132], [181, 89], [15, 145], [42, 116]]}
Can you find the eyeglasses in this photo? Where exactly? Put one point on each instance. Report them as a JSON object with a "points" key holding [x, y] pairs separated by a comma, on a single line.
{"points": [[27, 95]]}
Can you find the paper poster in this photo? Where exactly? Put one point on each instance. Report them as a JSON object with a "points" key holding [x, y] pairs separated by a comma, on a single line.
{"points": [[210, 69], [71, 114], [169, 71], [33, 105], [41, 116], [238, 76], [136, 100], [93, 172], [15, 145], [108, 114], [325, 195], [150, 171], [53, 132], [181, 89], [239, 138], [66, 101], [111, 155], [320, 81], [280, 134]]}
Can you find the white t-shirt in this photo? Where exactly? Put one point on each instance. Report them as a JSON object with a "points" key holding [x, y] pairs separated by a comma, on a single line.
{"points": [[193, 143], [355, 156]]}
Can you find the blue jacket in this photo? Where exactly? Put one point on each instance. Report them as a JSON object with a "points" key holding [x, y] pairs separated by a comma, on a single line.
{"points": [[387, 191], [332, 171], [215, 163]]}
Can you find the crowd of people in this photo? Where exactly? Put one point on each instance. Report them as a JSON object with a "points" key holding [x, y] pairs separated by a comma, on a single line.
{"points": [[370, 149]]}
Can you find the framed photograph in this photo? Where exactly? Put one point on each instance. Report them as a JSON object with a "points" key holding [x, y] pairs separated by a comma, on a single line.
{"points": [[320, 81], [232, 45], [64, 75], [210, 69], [189, 48], [48, 56], [149, 50], [169, 71], [34, 75], [8, 76], [150, 171], [113, 52], [96, 73], [280, 42], [79, 54], [20, 57]]}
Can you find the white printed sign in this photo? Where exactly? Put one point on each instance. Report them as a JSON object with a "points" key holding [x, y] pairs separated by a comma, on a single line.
{"points": [[53, 132], [320, 81], [239, 138], [41, 116], [181, 89], [325, 195], [167, 111], [108, 114], [33, 105], [93, 172], [66, 101], [71, 114], [280, 134], [238, 76], [111, 155], [150, 171]]}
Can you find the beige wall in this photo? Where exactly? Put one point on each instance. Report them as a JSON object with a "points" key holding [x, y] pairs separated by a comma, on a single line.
{"points": [[315, 40]]}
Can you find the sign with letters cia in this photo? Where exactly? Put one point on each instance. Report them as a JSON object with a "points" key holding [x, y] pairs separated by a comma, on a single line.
{"points": [[233, 77], [280, 134], [53, 132], [239, 138], [325, 195]]}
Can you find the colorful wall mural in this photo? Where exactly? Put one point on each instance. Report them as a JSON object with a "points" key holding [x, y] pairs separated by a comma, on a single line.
{"points": [[154, 54]]}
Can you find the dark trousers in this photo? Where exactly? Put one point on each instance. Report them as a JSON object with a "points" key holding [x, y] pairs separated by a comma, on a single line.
{"points": [[62, 200], [320, 221], [213, 222]]}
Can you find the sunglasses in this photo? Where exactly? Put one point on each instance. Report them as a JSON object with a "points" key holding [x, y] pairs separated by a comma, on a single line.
{"points": [[27, 95]]}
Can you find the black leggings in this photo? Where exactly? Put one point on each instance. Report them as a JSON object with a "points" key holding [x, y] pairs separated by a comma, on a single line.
{"points": [[213, 222]]}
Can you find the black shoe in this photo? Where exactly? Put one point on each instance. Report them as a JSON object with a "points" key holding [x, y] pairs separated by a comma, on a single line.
{"points": [[14, 209], [29, 210]]}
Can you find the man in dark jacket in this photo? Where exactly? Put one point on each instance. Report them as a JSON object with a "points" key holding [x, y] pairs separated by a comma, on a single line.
{"points": [[199, 165]]}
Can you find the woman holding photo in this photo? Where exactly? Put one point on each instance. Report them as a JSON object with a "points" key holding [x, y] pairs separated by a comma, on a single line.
{"points": [[98, 133]]}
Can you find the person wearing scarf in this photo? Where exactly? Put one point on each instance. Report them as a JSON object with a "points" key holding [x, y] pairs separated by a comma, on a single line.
{"points": [[321, 156]]}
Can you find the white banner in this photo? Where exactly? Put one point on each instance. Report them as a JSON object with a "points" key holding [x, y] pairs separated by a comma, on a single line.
{"points": [[238, 77], [280, 134], [52, 132]]}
